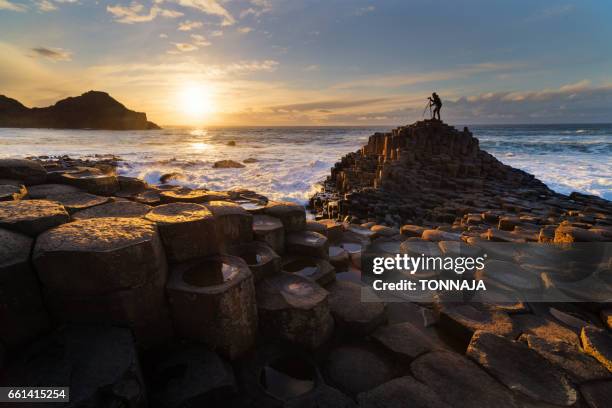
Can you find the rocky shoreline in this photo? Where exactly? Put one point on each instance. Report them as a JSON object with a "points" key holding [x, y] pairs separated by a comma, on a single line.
{"points": [[163, 296]]}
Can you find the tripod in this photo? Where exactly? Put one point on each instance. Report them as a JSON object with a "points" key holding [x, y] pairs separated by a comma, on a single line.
{"points": [[426, 107]]}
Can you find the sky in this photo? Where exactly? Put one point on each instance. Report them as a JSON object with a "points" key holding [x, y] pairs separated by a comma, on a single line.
{"points": [[315, 62]]}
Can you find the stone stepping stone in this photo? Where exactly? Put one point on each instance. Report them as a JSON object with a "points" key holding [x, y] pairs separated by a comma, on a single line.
{"points": [[339, 258], [360, 232], [183, 195], [99, 255], [418, 248], [460, 382], [130, 186], [521, 369], [10, 192], [316, 269], [190, 373], [23, 313], [32, 217], [212, 300], [405, 341], [495, 235], [234, 223], [49, 190], [579, 366], [119, 209], [508, 223], [597, 394], [187, 230], [597, 343], [27, 171], [397, 392], [544, 328], [315, 227], [458, 248], [494, 250], [351, 313], [307, 243], [357, 369], [438, 235], [333, 229], [74, 202], [93, 182], [293, 216], [99, 364], [462, 321], [148, 197], [295, 309], [566, 233], [509, 275], [410, 230], [384, 231], [271, 231], [261, 259]]}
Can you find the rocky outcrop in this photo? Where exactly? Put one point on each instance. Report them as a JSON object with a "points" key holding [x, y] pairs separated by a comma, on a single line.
{"points": [[91, 110]]}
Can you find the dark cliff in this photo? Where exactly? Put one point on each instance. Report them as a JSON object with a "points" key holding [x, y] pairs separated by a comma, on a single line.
{"points": [[92, 110]]}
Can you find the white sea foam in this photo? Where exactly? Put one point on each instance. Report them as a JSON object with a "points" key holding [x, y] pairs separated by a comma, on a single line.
{"points": [[291, 161]]}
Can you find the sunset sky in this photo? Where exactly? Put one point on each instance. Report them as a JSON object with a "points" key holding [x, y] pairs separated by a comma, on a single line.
{"points": [[289, 62]]}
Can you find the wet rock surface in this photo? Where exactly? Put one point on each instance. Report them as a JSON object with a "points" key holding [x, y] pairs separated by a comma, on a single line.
{"points": [[28, 172]]}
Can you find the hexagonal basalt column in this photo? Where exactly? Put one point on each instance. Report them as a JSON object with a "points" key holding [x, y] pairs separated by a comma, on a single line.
{"points": [[187, 230], [234, 223], [293, 216], [295, 309], [50, 190], [316, 269], [119, 209], [105, 270], [271, 231], [100, 255], [32, 217], [308, 243], [213, 301], [262, 259], [22, 314], [92, 181], [74, 202], [183, 195]]}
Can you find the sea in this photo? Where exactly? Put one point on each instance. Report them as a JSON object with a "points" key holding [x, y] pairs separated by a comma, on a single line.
{"points": [[290, 162]]}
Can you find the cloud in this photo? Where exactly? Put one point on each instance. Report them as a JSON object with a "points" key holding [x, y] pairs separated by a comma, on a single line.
{"points": [[46, 5], [259, 7], [395, 80], [9, 5], [163, 35], [135, 13], [312, 68], [185, 47], [216, 33], [245, 30], [364, 10], [53, 54], [211, 7], [325, 105], [551, 12], [200, 40], [189, 25]]}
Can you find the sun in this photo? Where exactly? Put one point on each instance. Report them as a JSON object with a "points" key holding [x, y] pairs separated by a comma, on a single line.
{"points": [[196, 100]]}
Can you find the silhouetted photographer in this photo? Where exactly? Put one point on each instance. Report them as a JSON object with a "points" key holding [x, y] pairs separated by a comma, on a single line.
{"points": [[436, 102]]}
